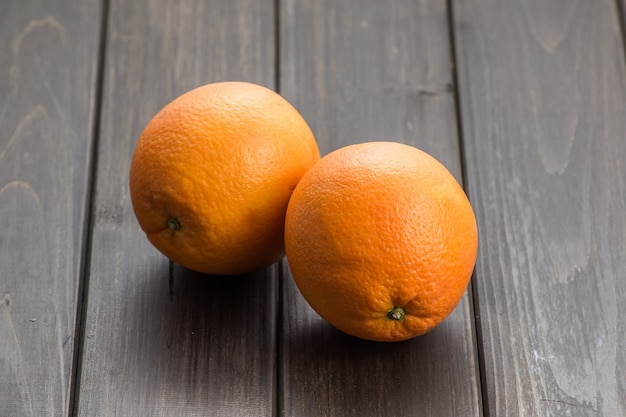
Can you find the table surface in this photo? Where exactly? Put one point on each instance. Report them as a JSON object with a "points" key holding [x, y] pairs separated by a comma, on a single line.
{"points": [[524, 101]]}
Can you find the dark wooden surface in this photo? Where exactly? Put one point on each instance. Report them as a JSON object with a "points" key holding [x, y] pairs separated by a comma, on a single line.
{"points": [[159, 340], [356, 82], [48, 66], [543, 99], [523, 100]]}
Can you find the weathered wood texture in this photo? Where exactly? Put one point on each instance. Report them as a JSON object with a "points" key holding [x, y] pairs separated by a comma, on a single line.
{"points": [[543, 98], [48, 61], [542, 88], [160, 342], [355, 81]]}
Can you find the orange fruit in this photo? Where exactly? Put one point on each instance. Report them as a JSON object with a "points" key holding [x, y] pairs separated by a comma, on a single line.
{"points": [[381, 240], [212, 174]]}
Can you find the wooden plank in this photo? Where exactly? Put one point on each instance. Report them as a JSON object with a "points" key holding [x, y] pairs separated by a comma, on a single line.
{"points": [[163, 342], [543, 98], [49, 53], [360, 71]]}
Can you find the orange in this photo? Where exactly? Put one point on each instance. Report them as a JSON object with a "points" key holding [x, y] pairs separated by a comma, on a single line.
{"points": [[381, 240], [212, 174]]}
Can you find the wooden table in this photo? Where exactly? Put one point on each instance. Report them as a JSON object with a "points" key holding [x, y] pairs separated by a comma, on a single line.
{"points": [[523, 100]]}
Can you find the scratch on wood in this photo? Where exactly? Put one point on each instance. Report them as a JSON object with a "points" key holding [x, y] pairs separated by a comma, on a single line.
{"points": [[53, 96], [572, 404], [448, 88], [425, 92]]}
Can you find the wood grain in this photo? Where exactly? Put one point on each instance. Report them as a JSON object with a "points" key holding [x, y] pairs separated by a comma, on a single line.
{"points": [[543, 99], [361, 71], [161, 341], [47, 84]]}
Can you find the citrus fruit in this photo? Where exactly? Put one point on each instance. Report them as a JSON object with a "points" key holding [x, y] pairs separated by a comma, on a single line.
{"points": [[381, 240], [212, 174]]}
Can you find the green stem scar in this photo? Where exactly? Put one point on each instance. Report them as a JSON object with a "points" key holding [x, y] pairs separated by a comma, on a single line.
{"points": [[397, 314], [173, 223]]}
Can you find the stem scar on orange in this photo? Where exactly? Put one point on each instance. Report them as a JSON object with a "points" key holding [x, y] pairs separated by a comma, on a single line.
{"points": [[212, 174], [381, 240]]}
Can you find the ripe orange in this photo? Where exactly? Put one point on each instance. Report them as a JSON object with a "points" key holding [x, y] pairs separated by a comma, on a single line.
{"points": [[212, 174], [381, 240]]}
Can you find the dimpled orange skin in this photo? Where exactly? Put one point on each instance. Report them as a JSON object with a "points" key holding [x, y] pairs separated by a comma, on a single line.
{"points": [[212, 174], [380, 227]]}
